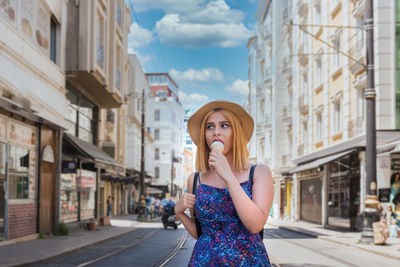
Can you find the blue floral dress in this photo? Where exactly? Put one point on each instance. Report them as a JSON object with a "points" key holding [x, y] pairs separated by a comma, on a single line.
{"points": [[225, 241]]}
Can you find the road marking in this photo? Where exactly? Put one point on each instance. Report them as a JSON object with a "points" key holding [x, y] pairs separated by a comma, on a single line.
{"points": [[167, 259], [119, 250]]}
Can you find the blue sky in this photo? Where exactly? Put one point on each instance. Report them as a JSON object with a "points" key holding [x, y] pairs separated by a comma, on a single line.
{"points": [[200, 43]]}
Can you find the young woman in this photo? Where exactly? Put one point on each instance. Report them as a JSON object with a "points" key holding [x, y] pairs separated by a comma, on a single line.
{"points": [[231, 208]]}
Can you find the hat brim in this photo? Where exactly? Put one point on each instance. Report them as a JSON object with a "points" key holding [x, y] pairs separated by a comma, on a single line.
{"points": [[196, 119]]}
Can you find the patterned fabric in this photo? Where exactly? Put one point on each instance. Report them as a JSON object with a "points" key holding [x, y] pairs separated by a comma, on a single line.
{"points": [[225, 241]]}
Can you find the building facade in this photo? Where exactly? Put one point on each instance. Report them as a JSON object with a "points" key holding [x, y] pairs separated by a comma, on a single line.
{"points": [[168, 133], [137, 88], [326, 127], [32, 104]]}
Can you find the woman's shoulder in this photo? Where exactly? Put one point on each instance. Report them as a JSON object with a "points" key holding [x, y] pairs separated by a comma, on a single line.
{"points": [[262, 170]]}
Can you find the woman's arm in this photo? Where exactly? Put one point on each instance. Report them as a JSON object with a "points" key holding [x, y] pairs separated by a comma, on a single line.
{"points": [[187, 202], [253, 212]]}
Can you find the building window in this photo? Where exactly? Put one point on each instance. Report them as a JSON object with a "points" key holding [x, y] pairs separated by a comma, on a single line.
{"points": [[157, 134], [304, 133], [317, 14], [189, 142], [157, 115], [157, 172], [82, 115], [319, 126], [18, 175], [360, 103], [118, 66], [157, 153], [161, 93], [318, 74], [100, 39], [337, 123], [305, 85], [336, 56], [53, 40]]}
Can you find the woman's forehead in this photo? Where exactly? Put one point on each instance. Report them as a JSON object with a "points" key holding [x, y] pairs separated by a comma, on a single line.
{"points": [[217, 116]]}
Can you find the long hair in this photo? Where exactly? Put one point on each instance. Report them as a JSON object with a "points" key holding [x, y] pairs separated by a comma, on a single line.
{"points": [[240, 154]]}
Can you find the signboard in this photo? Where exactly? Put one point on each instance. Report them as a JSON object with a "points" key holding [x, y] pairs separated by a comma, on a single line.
{"points": [[87, 179], [21, 134], [48, 154]]}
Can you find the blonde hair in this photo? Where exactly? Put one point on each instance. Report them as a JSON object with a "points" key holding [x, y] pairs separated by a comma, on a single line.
{"points": [[240, 154]]}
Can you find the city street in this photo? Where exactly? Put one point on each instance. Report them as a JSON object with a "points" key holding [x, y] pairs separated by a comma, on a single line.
{"points": [[152, 245]]}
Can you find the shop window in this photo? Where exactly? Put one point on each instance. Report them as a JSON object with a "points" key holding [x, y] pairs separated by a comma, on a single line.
{"points": [[18, 172]]}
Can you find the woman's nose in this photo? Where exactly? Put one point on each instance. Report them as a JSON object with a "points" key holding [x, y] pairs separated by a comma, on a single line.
{"points": [[217, 130]]}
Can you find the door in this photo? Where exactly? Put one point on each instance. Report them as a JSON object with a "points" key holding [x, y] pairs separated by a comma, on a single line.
{"points": [[48, 176]]}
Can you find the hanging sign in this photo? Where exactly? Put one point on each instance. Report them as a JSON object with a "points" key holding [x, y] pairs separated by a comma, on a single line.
{"points": [[48, 154]]}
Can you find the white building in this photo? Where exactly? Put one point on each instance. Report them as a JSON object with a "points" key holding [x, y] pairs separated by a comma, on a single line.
{"points": [[168, 132], [137, 83]]}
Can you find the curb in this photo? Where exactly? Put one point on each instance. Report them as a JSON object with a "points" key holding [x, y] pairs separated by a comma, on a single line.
{"points": [[74, 249], [326, 238]]}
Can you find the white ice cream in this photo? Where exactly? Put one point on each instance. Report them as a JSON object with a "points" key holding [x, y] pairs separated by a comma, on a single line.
{"points": [[218, 146]]}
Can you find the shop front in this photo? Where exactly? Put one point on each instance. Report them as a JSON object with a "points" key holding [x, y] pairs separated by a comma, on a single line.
{"points": [[344, 191], [83, 188], [311, 195], [18, 178]]}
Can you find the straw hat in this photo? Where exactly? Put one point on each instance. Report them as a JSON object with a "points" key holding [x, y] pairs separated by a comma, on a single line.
{"points": [[196, 119]]}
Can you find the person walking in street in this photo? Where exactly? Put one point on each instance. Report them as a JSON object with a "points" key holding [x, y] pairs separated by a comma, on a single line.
{"points": [[109, 206], [230, 198]]}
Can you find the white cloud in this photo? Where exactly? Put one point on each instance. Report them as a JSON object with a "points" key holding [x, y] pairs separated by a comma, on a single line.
{"points": [[215, 12], [168, 6], [239, 87], [139, 37], [172, 31], [192, 101], [192, 75]]}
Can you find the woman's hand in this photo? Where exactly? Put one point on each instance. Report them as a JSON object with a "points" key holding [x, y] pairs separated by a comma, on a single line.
{"points": [[218, 162], [186, 202]]}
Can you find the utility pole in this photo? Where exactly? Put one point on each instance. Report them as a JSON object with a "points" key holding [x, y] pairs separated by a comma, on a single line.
{"points": [[370, 214], [142, 171]]}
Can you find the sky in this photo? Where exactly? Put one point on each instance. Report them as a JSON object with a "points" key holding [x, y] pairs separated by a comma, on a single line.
{"points": [[202, 44]]}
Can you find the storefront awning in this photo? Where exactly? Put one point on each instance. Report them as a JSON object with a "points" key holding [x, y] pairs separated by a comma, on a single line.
{"points": [[91, 151], [319, 162], [152, 190]]}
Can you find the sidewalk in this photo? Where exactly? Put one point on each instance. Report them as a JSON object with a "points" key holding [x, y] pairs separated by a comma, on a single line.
{"points": [[342, 237], [13, 253]]}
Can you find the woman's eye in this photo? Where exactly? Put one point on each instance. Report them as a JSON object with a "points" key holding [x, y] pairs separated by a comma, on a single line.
{"points": [[209, 127], [225, 125]]}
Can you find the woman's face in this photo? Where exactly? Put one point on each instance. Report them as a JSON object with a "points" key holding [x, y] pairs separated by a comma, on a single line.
{"points": [[218, 128]]}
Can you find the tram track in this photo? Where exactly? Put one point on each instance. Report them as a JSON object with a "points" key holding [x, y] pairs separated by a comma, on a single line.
{"points": [[339, 260], [138, 241]]}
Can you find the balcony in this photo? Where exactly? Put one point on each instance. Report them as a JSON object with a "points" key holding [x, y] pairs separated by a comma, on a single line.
{"points": [[87, 64], [335, 6], [360, 81], [303, 59], [302, 7], [303, 105], [359, 53], [359, 8], [356, 127], [287, 113]]}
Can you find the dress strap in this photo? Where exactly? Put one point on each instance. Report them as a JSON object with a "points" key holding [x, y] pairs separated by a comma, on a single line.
{"points": [[251, 176]]}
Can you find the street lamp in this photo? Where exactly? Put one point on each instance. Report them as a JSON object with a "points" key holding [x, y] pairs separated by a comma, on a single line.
{"points": [[370, 213], [142, 155]]}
